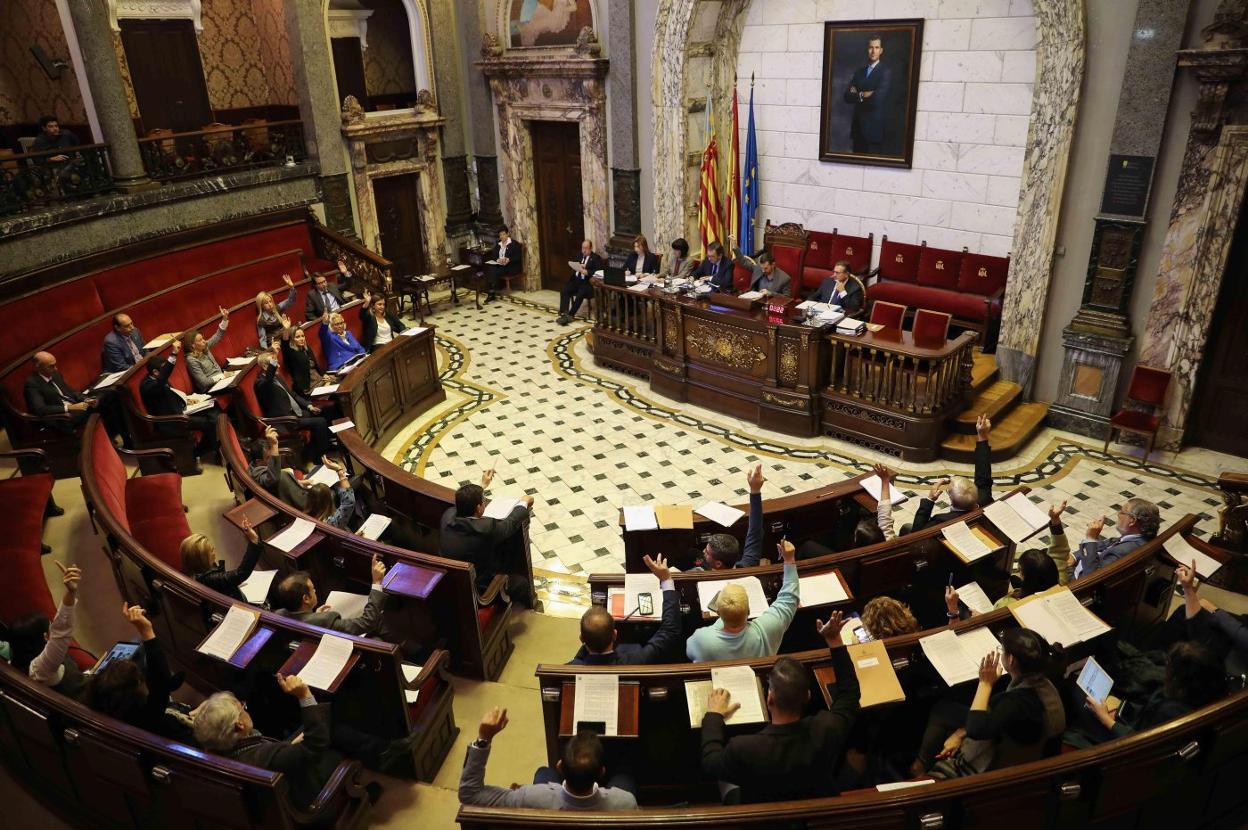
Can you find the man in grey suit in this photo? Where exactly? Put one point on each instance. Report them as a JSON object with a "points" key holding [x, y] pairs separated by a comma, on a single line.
{"points": [[1138, 521], [296, 598], [767, 277]]}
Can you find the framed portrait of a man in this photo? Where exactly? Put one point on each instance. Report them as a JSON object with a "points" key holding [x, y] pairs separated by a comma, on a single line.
{"points": [[870, 91]]}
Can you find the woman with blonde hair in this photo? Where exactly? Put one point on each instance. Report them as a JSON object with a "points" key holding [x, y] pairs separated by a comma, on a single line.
{"points": [[269, 317], [199, 560]]}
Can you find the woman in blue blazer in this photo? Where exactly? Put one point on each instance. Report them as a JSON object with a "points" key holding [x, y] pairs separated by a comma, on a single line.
{"points": [[337, 344]]}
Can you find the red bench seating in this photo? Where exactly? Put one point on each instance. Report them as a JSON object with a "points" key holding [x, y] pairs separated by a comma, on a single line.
{"points": [[970, 287], [824, 250]]}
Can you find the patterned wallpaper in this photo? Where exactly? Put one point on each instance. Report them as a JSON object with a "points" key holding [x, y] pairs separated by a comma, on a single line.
{"points": [[275, 51], [26, 92], [388, 58]]}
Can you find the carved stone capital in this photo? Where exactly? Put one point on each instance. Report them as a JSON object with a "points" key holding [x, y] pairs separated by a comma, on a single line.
{"points": [[1216, 70], [587, 44], [490, 46], [352, 112]]}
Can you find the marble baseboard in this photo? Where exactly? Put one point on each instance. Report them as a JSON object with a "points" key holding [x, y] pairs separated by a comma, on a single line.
{"points": [[1082, 423]]}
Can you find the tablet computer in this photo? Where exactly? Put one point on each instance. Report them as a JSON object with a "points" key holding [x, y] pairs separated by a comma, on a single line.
{"points": [[1093, 680], [121, 651]]}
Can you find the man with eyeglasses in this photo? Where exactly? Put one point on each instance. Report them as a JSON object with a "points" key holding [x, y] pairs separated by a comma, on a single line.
{"points": [[1138, 521], [47, 393]]}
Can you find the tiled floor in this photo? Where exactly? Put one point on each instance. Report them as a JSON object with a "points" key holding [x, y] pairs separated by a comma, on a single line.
{"points": [[524, 396]]}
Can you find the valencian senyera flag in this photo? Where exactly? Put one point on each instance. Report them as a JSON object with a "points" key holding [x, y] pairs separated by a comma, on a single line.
{"points": [[710, 216]]}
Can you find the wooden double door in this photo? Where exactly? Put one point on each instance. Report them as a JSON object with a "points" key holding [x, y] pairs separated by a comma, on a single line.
{"points": [[398, 221], [167, 74], [560, 206]]}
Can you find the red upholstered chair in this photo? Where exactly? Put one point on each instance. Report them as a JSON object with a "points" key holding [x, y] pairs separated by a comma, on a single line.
{"points": [[856, 250], [899, 261], [817, 266], [940, 268], [889, 315], [741, 277], [789, 260], [931, 326], [1148, 389]]}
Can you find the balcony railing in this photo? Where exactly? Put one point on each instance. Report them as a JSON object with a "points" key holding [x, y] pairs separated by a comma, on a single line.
{"points": [[170, 156], [29, 181]]}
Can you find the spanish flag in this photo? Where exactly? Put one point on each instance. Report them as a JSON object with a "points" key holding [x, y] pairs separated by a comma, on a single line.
{"points": [[710, 217]]}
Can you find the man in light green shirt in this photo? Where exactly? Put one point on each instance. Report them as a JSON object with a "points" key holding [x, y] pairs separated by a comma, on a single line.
{"points": [[733, 635]]}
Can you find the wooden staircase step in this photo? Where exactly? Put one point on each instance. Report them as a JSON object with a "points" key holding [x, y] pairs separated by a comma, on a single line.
{"points": [[1008, 437], [984, 371], [995, 402]]}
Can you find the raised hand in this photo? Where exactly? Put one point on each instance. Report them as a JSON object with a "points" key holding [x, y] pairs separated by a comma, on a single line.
{"points": [[754, 478], [830, 631], [289, 282], [294, 686], [176, 346], [225, 313], [379, 569], [658, 567], [493, 722], [720, 702], [1187, 577], [885, 474], [137, 617], [250, 532], [1055, 513], [486, 478], [333, 464], [1095, 527], [990, 668], [983, 427], [938, 489], [951, 599], [70, 574], [270, 435], [788, 553], [368, 296]]}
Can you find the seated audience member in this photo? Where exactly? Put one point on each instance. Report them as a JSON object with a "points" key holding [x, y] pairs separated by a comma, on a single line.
{"points": [[1195, 677], [1001, 728], [734, 636], [223, 726], [1138, 521], [641, 260], [509, 263], [841, 289], [52, 137], [679, 265], [277, 401], [267, 471], [322, 504], [793, 756], [598, 634], [881, 618], [767, 277], [579, 286], [380, 325], [717, 268], [324, 297], [963, 495], [295, 597], [305, 372], [160, 399], [47, 393], [270, 319], [722, 550], [1223, 631], [1036, 573], [866, 531], [139, 695], [123, 346], [203, 368], [470, 536], [337, 344], [199, 560], [41, 648], [580, 767]]}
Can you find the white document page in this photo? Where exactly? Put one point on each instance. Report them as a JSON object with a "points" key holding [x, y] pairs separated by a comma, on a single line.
{"points": [[1184, 552], [347, 604], [1035, 517], [750, 295], [234, 629], [1060, 618], [157, 342], [597, 699], [970, 546], [978, 642], [957, 657], [328, 662], [575, 265], [293, 536], [707, 590], [323, 475], [500, 507], [720, 513], [1007, 520], [823, 589], [742, 685], [226, 380], [337, 428], [410, 673], [328, 389], [413, 331], [639, 286], [872, 485], [256, 587], [640, 517], [109, 379], [903, 785], [460, 267], [492, 262], [647, 583], [374, 526], [239, 362], [974, 598]]}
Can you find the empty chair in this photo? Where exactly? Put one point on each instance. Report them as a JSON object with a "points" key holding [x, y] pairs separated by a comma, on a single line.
{"points": [[930, 326], [889, 315], [1148, 388]]}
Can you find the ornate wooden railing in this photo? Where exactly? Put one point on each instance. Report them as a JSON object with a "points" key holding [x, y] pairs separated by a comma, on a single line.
{"points": [[47, 177], [371, 270], [908, 379], [625, 312], [173, 156]]}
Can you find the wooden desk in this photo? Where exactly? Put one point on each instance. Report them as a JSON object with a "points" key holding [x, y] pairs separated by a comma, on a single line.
{"points": [[399, 378], [626, 725]]}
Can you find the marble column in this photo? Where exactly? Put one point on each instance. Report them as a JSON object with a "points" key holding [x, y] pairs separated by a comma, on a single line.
{"points": [[477, 39], [319, 108], [446, 72], [95, 41], [622, 112]]}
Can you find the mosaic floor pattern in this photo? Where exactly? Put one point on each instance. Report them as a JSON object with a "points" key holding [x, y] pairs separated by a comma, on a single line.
{"points": [[524, 396]]}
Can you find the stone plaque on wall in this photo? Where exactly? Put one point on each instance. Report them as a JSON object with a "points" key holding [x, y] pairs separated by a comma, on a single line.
{"points": [[1126, 185]]}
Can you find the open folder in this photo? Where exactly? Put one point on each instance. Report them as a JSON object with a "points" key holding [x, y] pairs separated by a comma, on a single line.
{"points": [[237, 625], [1058, 616]]}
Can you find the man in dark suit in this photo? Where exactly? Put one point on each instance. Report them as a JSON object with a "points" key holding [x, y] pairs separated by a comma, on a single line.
{"points": [[579, 287], [266, 469], [868, 91], [492, 545], [47, 393], [323, 296], [162, 400], [598, 645], [278, 401], [123, 346], [841, 289], [963, 495], [793, 756], [508, 258], [295, 597], [716, 267]]}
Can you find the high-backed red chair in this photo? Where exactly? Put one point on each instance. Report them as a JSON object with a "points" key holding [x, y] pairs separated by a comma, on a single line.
{"points": [[889, 315], [789, 260], [1148, 388], [931, 326]]}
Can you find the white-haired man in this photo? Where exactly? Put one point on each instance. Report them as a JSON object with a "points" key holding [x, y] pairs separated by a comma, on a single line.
{"points": [[964, 495], [734, 635], [1138, 521]]}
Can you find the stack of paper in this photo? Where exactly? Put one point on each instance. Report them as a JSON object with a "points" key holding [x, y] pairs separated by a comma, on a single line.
{"points": [[233, 631], [157, 342], [743, 687], [872, 485], [830, 316], [639, 286], [965, 543], [256, 587], [957, 656], [328, 389], [636, 584], [347, 605], [708, 592], [459, 267], [239, 362], [640, 517], [1058, 616], [720, 513], [328, 662], [876, 676], [200, 405], [750, 295], [339, 427], [597, 701], [674, 516], [226, 380], [410, 673], [1185, 553], [413, 331], [109, 379], [323, 475], [374, 526], [500, 507], [974, 598], [850, 326], [823, 589], [293, 536], [903, 785], [1017, 517]]}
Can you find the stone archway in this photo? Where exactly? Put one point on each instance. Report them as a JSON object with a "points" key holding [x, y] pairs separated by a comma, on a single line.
{"points": [[698, 40]]}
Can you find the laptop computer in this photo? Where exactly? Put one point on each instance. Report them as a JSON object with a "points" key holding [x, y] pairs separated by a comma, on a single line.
{"points": [[613, 276]]}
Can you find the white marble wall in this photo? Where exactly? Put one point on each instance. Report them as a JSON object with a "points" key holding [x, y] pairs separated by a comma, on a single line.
{"points": [[975, 100]]}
